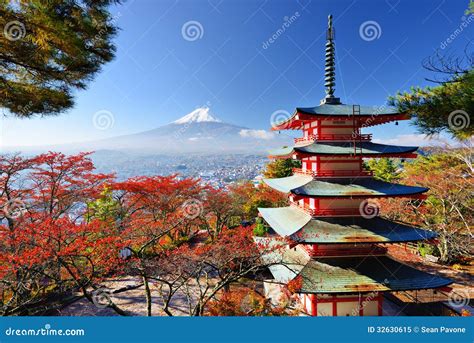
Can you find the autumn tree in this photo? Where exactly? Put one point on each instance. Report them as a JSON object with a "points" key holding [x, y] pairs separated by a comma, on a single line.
{"points": [[67, 228], [154, 210], [46, 244], [448, 210], [244, 301], [13, 190], [247, 198], [49, 49], [218, 209], [202, 274]]}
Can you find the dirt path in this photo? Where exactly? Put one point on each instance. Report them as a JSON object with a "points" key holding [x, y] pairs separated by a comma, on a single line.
{"points": [[132, 301]]}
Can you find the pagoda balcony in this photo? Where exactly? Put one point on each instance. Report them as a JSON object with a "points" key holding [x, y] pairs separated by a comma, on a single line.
{"points": [[330, 212], [333, 137], [321, 250], [334, 173]]}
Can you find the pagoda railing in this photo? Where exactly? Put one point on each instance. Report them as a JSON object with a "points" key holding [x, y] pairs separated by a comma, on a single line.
{"points": [[315, 173], [334, 137], [327, 212], [362, 250]]}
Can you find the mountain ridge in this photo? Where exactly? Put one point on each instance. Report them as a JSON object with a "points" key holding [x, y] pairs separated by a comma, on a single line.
{"points": [[198, 132]]}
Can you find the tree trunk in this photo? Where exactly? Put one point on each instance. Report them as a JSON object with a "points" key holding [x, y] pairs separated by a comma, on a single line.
{"points": [[148, 295], [443, 249], [197, 310]]}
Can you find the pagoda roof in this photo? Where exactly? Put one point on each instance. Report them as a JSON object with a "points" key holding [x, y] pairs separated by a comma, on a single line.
{"points": [[302, 228], [347, 110], [344, 148], [341, 187], [286, 184], [364, 274], [344, 274], [368, 115]]}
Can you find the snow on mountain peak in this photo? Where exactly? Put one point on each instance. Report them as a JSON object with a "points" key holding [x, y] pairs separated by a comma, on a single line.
{"points": [[199, 115]]}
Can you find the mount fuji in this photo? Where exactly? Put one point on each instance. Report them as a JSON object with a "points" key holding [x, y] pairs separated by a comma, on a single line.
{"points": [[196, 132], [199, 115]]}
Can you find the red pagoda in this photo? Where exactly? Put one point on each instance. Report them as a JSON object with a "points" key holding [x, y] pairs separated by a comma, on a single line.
{"points": [[335, 240]]}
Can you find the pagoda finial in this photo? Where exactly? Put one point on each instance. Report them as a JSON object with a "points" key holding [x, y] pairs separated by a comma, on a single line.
{"points": [[330, 70]]}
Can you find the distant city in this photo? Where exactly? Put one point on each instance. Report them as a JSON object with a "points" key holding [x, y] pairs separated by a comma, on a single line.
{"points": [[218, 170]]}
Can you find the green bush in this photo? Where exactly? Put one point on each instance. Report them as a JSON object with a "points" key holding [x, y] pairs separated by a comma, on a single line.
{"points": [[234, 222], [260, 230], [425, 249]]}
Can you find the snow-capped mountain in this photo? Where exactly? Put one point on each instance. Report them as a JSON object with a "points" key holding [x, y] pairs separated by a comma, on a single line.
{"points": [[199, 115], [196, 132]]}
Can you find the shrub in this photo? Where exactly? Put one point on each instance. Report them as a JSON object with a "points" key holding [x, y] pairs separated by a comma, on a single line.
{"points": [[260, 230]]}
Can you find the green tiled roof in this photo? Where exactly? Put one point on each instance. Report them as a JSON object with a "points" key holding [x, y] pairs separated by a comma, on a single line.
{"points": [[285, 151], [364, 274], [359, 230], [344, 274], [299, 226], [341, 187], [344, 110], [285, 220], [355, 187], [286, 184], [345, 148]]}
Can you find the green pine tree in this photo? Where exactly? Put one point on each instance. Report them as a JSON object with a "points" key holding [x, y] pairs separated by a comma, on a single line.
{"points": [[384, 169], [48, 49], [447, 107]]}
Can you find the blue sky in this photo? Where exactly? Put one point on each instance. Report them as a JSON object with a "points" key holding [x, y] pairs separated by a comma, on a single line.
{"points": [[161, 73]]}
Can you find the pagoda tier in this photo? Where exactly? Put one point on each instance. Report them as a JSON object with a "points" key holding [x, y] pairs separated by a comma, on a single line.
{"points": [[302, 228], [308, 186], [344, 275], [331, 115], [348, 148]]}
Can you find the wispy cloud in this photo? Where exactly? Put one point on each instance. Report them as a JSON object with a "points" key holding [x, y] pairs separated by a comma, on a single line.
{"points": [[411, 140], [259, 134]]}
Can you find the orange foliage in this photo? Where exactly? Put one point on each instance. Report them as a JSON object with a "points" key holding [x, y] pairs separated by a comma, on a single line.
{"points": [[242, 302]]}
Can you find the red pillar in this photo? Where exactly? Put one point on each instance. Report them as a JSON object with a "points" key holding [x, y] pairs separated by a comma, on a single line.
{"points": [[379, 304], [314, 306]]}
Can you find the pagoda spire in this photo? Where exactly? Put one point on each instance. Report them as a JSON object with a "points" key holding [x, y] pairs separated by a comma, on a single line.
{"points": [[330, 70]]}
